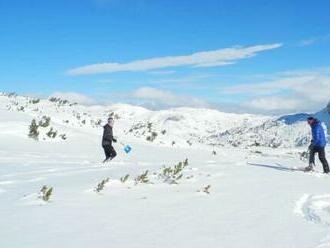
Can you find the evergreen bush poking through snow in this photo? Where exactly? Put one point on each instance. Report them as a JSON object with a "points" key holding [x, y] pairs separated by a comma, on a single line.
{"points": [[51, 133], [45, 121], [207, 189], [173, 174], [45, 193], [100, 186], [33, 130], [34, 101], [124, 179], [143, 178]]}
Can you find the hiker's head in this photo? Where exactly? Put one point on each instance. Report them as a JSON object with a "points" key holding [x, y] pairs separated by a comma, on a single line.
{"points": [[110, 121], [311, 120]]}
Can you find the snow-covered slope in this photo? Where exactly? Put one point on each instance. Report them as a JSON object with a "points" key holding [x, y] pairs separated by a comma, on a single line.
{"points": [[252, 198], [286, 131], [179, 127]]}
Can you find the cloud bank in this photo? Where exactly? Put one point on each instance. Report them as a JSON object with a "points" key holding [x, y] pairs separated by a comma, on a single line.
{"points": [[158, 99], [213, 58], [304, 91]]}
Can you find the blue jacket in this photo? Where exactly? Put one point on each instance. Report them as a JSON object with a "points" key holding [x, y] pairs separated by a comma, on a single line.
{"points": [[318, 135]]}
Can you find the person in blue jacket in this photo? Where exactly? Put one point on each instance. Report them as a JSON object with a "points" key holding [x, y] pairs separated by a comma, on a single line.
{"points": [[317, 145]]}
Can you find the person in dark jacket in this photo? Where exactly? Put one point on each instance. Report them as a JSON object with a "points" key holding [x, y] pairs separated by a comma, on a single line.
{"points": [[107, 139], [317, 145]]}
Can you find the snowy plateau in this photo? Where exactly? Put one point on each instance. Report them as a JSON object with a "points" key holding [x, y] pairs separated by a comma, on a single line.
{"points": [[195, 178]]}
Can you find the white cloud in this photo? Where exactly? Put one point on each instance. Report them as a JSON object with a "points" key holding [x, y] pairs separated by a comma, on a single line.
{"points": [[213, 58], [290, 92], [162, 72], [74, 97], [274, 103], [313, 40], [157, 98], [308, 42]]}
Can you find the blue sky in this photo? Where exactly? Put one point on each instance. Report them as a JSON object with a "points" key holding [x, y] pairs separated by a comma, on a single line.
{"points": [[244, 56]]}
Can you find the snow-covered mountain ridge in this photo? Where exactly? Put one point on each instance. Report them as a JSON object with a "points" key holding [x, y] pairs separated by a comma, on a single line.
{"points": [[183, 127]]}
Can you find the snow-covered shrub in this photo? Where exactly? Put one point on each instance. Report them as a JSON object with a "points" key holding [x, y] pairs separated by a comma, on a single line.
{"points": [[124, 179], [33, 130], [98, 122], [173, 174], [152, 136], [45, 193], [39, 131], [21, 108], [146, 130], [175, 118], [143, 178], [12, 94], [205, 189], [189, 142], [256, 152], [51, 133], [59, 101], [53, 99], [113, 115], [34, 101], [45, 121], [100, 186]]}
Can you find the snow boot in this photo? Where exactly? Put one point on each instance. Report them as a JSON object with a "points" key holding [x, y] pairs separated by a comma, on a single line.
{"points": [[106, 160], [309, 168]]}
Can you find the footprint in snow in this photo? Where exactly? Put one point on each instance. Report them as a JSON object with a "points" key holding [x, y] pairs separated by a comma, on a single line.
{"points": [[314, 208]]}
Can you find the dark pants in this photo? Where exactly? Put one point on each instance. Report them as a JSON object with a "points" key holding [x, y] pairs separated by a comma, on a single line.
{"points": [[109, 151], [321, 152]]}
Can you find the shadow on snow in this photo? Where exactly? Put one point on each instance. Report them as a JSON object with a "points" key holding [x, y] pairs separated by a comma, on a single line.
{"points": [[276, 167]]}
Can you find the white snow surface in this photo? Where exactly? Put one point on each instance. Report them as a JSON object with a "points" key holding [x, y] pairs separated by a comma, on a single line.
{"points": [[258, 197]]}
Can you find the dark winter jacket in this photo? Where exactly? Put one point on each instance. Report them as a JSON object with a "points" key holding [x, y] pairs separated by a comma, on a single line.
{"points": [[107, 135], [318, 134]]}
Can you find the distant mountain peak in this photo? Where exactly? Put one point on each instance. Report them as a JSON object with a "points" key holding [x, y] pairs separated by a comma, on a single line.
{"points": [[327, 109]]}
